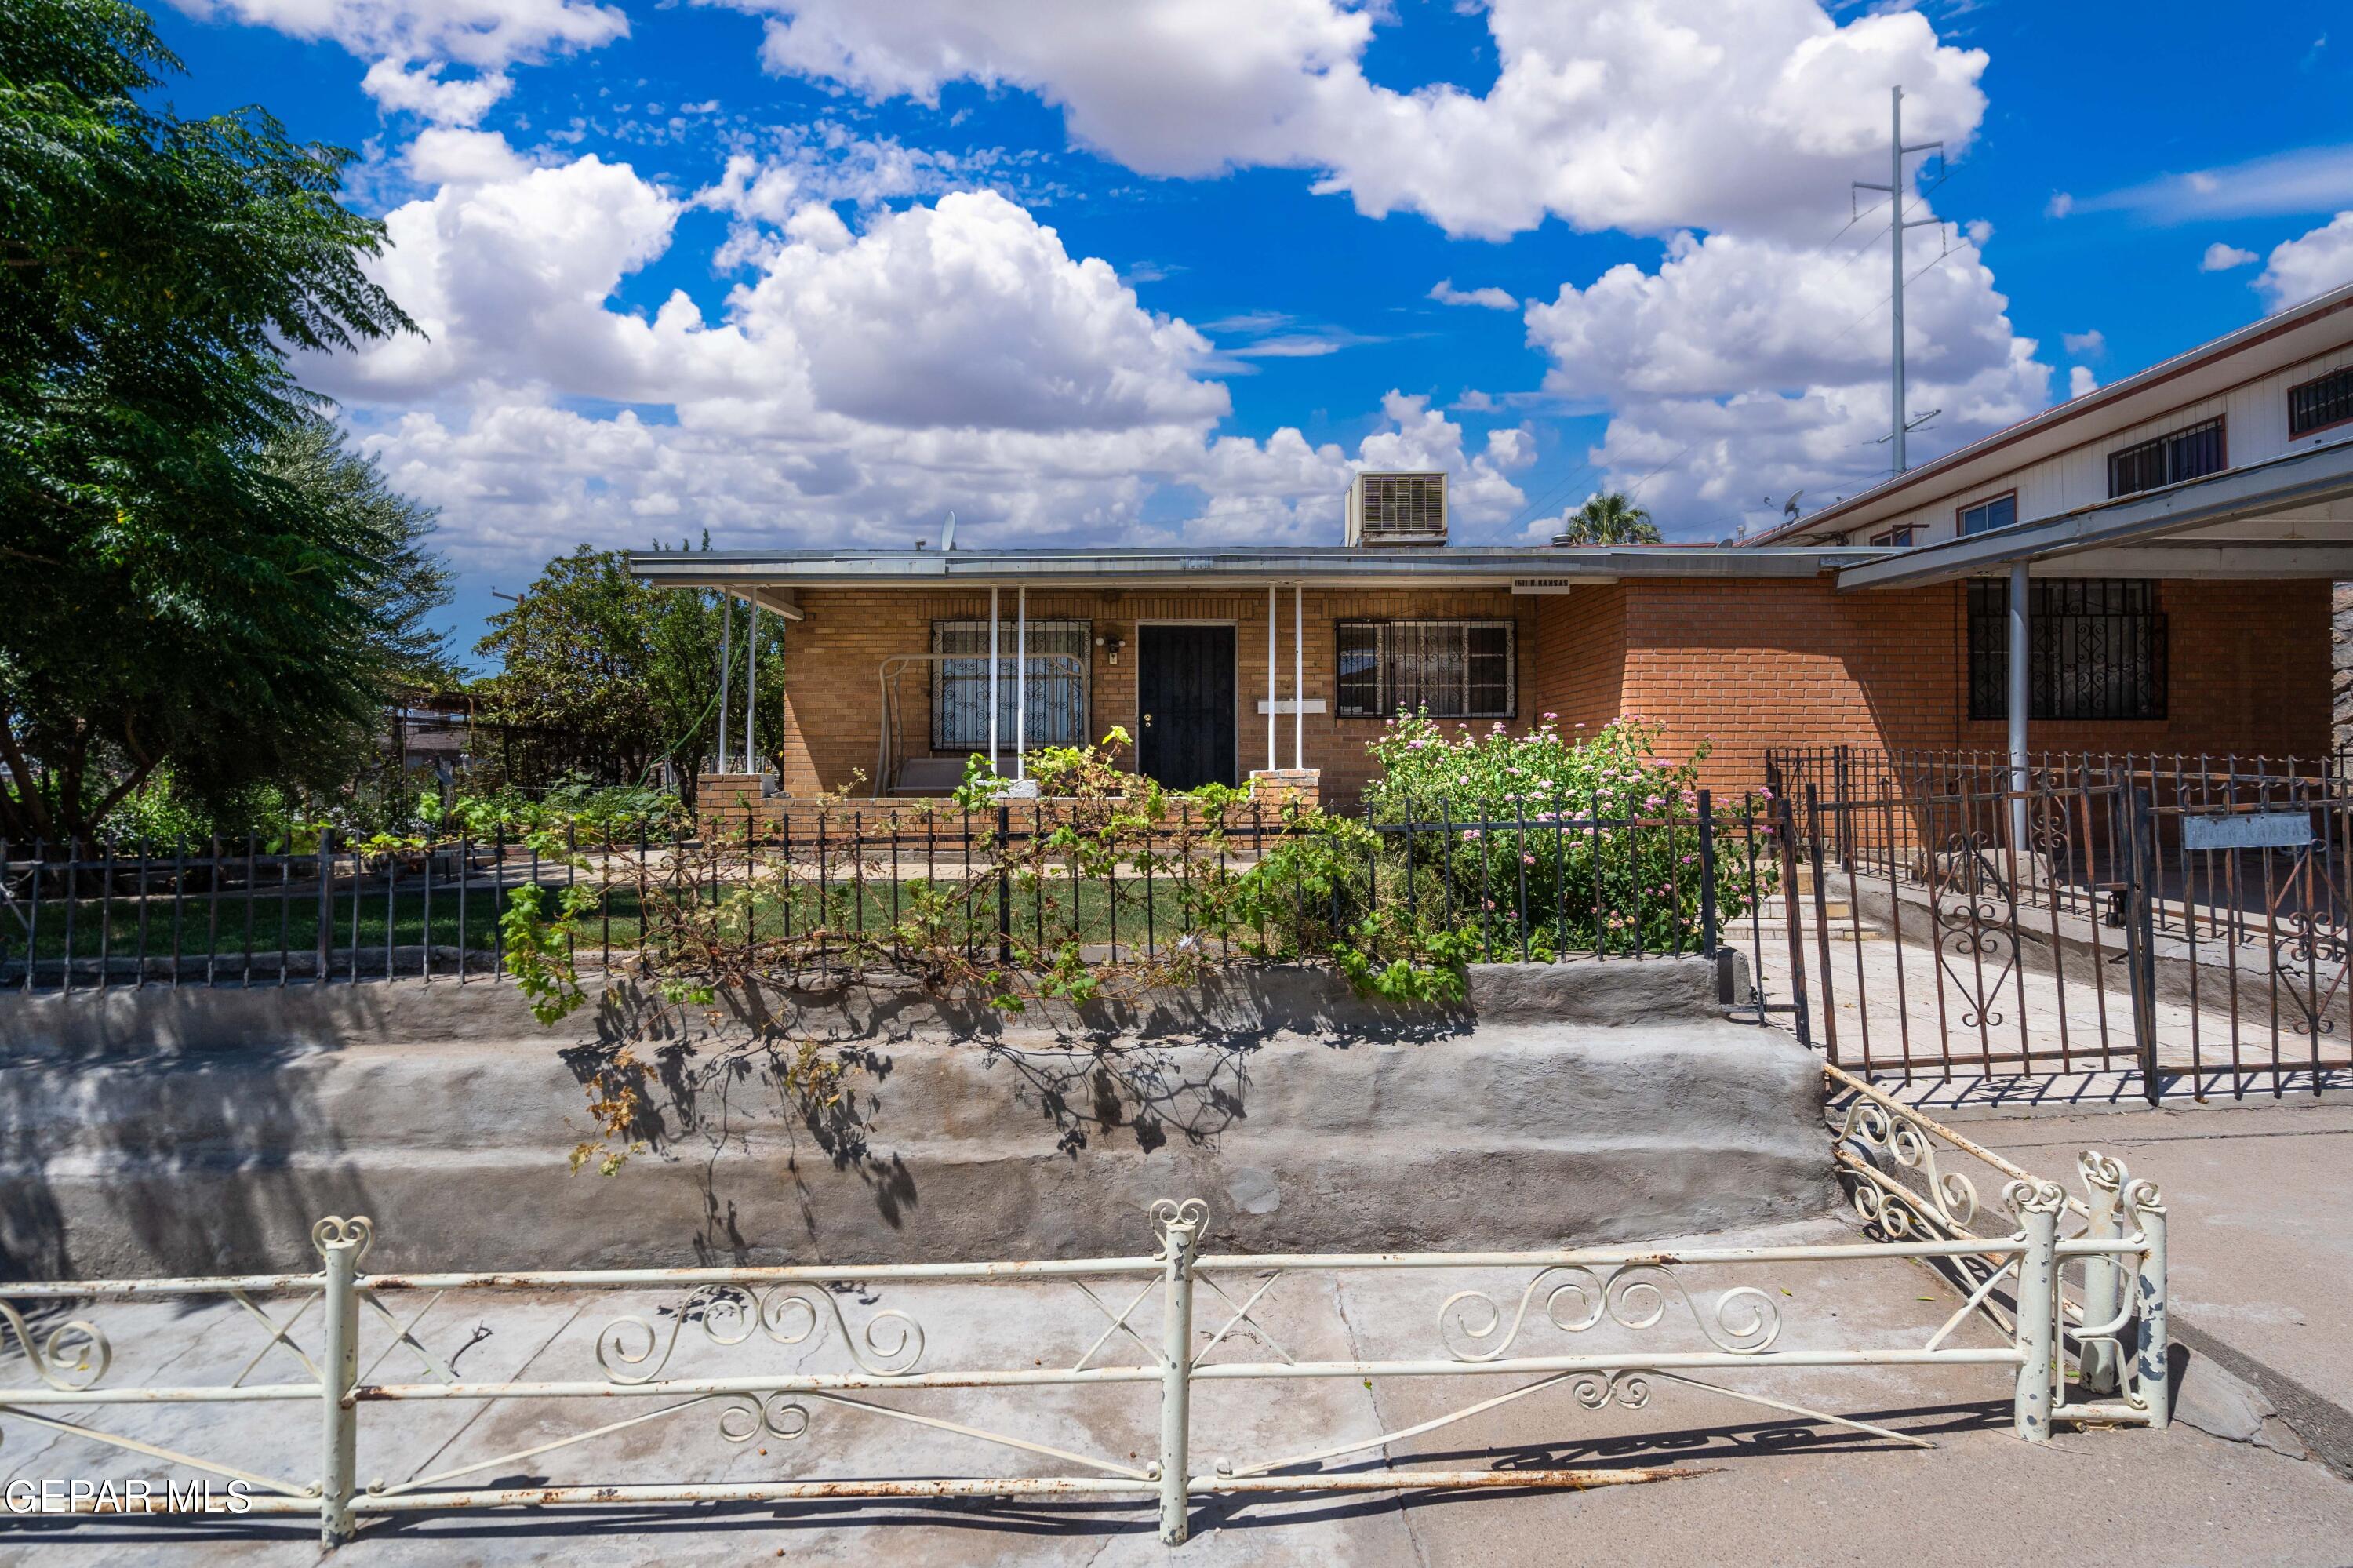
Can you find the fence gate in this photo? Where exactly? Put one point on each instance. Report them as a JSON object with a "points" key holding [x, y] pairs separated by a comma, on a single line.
{"points": [[2181, 921]]}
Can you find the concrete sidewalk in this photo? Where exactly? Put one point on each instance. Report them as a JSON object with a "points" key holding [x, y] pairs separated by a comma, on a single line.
{"points": [[2260, 1246], [1771, 1488]]}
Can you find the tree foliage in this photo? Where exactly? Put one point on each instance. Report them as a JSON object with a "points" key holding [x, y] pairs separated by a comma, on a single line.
{"points": [[604, 677], [176, 593], [1609, 518]]}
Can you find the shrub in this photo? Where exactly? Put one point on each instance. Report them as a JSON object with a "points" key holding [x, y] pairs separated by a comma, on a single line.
{"points": [[1596, 838]]}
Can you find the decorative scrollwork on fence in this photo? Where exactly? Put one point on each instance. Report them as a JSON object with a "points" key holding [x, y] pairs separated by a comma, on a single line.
{"points": [[1949, 1201], [2037, 1197], [776, 1415], [71, 1357], [1192, 1213], [1593, 1390], [2308, 961], [1575, 1298], [632, 1351], [1973, 909], [337, 1231]]}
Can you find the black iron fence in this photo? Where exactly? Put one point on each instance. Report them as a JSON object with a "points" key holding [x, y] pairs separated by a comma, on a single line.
{"points": [[2114, 914], [799, 887]]}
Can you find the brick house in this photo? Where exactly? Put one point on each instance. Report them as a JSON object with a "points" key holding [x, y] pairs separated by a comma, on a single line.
{"points": [[2167, 543]]}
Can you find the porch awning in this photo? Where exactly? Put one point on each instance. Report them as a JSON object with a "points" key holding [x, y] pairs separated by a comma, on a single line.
{"points": [[2289, 517]]}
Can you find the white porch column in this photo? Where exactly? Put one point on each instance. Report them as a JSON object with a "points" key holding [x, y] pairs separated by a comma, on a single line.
{"points": [[1020, 678], [992, 680], [1270, 678], [1298, 678], [750, 685], [2021, 690], [726, 665]]}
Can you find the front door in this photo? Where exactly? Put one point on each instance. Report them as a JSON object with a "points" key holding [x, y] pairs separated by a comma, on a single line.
{"points": [[1185, 692]]}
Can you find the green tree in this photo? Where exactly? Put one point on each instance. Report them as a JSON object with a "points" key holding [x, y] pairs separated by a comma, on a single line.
{"points": [[1608, 519], [173, 600], [414, 582], [604, 677]]}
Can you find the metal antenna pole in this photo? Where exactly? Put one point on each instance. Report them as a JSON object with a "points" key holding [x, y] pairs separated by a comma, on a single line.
{"points": [[1895, 283], [1897, 224]]}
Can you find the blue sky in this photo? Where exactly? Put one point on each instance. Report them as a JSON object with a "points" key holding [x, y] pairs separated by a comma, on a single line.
{"points": [[815, 271]]}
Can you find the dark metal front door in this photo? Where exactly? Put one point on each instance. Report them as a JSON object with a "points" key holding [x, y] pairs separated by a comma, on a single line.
{"points": [[1184, 691]]}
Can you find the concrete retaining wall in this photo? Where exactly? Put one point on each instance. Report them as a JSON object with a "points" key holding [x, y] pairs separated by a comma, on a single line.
{"points": [[197, 1131]]}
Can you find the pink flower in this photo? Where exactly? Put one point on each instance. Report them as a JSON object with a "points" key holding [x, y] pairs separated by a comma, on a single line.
{"points": [[1527, 859]]}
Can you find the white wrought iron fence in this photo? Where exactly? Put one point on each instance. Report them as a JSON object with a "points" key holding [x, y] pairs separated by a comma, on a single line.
{"points": [[768, 1350]]}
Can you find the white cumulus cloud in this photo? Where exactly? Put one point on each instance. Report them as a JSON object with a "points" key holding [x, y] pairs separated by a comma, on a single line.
{"points": [[858, 385], [419, 91], [1742, 367], [1645, 115], [2222, 258], [2312, 263], [1489, 298], [406, 41]]}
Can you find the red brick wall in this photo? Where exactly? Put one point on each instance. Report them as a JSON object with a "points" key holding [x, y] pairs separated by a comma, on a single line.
{"points": [[1581, 655], [1745, 664], [833, 658]]}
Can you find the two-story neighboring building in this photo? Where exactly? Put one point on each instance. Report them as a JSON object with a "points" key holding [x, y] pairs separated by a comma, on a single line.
{"points": [[2170, 540]]}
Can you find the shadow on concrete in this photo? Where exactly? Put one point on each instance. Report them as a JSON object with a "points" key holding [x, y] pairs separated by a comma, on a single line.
{"points": [[1701, 1449], [155, 1151]]}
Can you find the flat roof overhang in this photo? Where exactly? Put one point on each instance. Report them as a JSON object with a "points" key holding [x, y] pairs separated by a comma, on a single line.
{"points": [[2289, 517], [1318, 566]]}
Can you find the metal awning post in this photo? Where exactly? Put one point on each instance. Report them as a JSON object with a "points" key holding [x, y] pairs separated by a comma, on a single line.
{"points": [[1270, 678], [1298, 678], [726, 665], [2020, 688], [1021, 679], [992, 680], [750, 685]]}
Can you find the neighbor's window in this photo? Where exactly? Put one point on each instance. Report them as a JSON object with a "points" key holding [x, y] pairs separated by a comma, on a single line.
{"points": [[1057, 686], [2316, 405], [1456, 669], [2167, 459], [1894, 536], [1994, 511], [2096, 647]]}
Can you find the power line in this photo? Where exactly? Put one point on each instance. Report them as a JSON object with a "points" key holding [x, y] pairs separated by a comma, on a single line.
{"points": [[1559, 489]]}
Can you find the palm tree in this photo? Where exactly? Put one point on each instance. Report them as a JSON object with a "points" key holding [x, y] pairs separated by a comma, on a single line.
{"points": [[1608, 519]]}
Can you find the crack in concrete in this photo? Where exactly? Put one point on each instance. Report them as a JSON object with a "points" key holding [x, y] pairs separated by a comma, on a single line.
{"points": [[2323, 1427], [1381, 1422]]}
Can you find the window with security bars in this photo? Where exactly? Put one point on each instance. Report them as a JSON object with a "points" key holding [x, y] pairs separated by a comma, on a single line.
{"points": [[2316, 405], [2095, 649], [1057, 688], [1452, 669], [2167, 459]]}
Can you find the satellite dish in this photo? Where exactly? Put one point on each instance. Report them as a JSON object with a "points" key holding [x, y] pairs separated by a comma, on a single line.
{"points": [[1789, 507], [947, 534]]}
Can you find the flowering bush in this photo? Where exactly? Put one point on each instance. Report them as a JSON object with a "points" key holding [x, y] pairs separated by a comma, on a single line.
{"points": [[1596, 837]]}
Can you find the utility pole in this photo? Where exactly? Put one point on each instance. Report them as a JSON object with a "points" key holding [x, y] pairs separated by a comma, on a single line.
{"points": [[1894, 189]]}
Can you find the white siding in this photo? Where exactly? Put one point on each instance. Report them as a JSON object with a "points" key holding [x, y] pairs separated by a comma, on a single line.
{"points": [[2255, 419]]}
